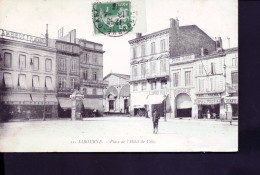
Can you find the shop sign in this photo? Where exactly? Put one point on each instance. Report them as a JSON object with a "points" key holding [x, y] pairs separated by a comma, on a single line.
{"points": [[183, 58], [21, 36], [179, 91], [159, 92], [208, 101], [231, 100]]}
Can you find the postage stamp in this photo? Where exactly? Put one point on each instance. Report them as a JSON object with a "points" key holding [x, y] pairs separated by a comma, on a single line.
{"points": [[113, 18]]}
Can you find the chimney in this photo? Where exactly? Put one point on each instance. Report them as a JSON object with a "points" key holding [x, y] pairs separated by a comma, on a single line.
{"points": [[202, 51], [219, 44], [47, 35], [138, 35]]}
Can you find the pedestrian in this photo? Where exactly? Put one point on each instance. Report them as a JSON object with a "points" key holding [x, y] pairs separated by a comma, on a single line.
{"points": [[208, 114], [155, 121]]}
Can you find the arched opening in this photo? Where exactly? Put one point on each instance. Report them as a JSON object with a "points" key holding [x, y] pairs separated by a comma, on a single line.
{"points": [[183, 105]]}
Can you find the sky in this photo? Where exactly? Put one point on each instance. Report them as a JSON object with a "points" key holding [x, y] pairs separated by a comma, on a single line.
{"points": [[217, 18]]}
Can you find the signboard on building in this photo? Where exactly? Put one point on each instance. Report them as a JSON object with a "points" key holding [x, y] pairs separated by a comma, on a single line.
{"points": [[22, 37], [231, 100], [210, 101]]}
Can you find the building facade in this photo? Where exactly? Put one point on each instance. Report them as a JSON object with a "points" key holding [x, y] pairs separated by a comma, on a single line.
{"points": [[149, 59], [117, 93], [182, 86], [68, 71], [91, 74], [205, 85], [27, 76]]}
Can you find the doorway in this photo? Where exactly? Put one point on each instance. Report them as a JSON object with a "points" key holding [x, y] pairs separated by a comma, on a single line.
{"points": [[111, 105], [183, 105]]}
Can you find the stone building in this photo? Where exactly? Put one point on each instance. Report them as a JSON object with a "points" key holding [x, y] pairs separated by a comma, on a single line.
{"points": [[205, 85], [91, 74], [149, 59], [117, 93], [217, 84], [68, 69], [27, 76]]}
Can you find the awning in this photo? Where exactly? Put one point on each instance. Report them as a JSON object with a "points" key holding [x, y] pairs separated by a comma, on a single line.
{"points": [[22, 81], [51, 98], [37, 98], [155, 99], [91, 103], [16, 98], [49, 83], [183, 101], [8, 80], [65, 102], [208, 101], [138, 100], [36, 82]]}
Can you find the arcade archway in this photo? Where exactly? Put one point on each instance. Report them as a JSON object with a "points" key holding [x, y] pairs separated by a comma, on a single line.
{"points": [[183, 105]]}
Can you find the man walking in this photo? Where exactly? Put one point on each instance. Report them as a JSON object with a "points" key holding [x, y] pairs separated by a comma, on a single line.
{"points": [[155, 121]]}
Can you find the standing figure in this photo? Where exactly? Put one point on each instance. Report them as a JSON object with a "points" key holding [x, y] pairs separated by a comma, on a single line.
{"points": [[208, 114], [155, 121]]}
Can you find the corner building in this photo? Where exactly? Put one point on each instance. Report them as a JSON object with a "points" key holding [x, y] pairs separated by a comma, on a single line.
{"points": [[149, 60], [27, 76]]}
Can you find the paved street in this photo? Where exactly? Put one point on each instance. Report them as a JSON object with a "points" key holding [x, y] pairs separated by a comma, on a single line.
{"points": [[118, 134]]}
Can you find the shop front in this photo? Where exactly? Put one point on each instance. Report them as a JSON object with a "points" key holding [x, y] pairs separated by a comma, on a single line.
{"points": [[183, 105], [231, 106], [208, 108]]}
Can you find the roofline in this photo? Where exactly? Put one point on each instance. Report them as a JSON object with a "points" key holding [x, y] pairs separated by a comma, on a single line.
{"points": [[84, 40], [116, 74], [149, 35]]}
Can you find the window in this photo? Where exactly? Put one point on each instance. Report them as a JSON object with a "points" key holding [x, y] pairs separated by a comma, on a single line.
{"points": [[94, 91], [152, 47], [213, 71], [175, 79], [85, 90], [48, 65], [73, 66], [201, 85], [85, 75], [234, 61], [7, 60], [144, 86], [62, 82], [95, 58], [187, 78], [85, 58], [153, 67], [135, 87], [163, 45], [163, 65], [143, 50], [22, 81], [134, 52], [211, 84], [8, 81], [200, 69], [234, 76], [22, 61], [35, 81], [94, 75], [72, 83], [48, 83], [62, 65], [35, 63], [134, 71], [153, 85], [143, 70], [163, 84]]}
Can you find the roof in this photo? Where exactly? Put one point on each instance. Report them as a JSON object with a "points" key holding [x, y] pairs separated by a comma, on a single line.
{"points": [[187, 27], [124, 76]]}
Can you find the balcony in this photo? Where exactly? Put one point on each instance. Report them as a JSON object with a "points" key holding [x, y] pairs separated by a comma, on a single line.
{"points": [[93, 82], [160, 75], [27, 90]]}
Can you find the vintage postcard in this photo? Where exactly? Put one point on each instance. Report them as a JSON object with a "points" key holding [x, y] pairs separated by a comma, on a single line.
{"points": [[119, 76]]}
